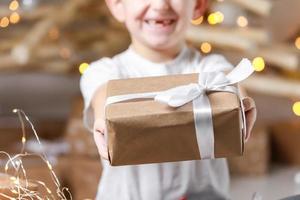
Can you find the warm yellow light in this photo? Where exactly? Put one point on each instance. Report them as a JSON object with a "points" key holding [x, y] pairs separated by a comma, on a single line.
{"points": [[23, 140], [14, 5], [220, 17], [242, 21], [215, 18], [4, 22], [49, 165], [211, 19], [296, 108], [206, 47], [258, 64], [83, 67], [297, 42], [17, 181], [14, 18], [14, 191], [197, 21], [49, 191]]}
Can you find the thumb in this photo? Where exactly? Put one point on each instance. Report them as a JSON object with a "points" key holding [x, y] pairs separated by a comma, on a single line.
{"points": [[248, 103]]}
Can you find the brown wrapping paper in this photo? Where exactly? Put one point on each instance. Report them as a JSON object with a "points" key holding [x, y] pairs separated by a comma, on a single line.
{"points": [[145, 131]]}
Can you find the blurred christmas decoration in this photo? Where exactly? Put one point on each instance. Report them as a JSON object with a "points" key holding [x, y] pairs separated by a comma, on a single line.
{"points": [[268, 33], [260, 31], [54, 36], [51, 36]]}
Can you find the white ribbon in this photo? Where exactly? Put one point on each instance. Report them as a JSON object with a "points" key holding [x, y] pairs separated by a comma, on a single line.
{"points": [[196, 92]]}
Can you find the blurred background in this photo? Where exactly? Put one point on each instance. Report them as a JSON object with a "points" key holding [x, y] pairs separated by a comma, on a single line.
{"points": [[45, 46]]}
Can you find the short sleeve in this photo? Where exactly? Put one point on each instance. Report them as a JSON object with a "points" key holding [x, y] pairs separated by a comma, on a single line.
{"points": [[98, 73], [214, 62]]}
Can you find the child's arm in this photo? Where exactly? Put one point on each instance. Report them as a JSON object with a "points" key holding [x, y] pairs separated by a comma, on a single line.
{"points": [[250, 111], [98, 103]]}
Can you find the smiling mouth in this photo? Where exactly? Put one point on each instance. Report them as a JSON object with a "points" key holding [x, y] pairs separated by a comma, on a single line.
{"points": [[166, 22]]}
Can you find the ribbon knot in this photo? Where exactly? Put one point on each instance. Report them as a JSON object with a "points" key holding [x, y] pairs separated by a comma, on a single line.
{"points": [[207, 81]]}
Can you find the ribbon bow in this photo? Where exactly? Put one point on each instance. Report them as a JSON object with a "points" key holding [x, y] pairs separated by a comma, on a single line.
{"points": [[207, 81], [196, 92]]}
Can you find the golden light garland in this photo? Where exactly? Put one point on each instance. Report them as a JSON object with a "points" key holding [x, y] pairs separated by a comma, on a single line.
{"points": [[15, 163], [13, 18]]}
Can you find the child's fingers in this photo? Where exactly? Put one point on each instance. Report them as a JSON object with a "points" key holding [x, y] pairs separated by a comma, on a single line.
{"points": [[248, 103], [250, 120], [101, 144], [99, 137], [250, 113]]}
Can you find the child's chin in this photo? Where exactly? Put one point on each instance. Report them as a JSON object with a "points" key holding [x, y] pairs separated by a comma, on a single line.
{"points": [[160, 44]]}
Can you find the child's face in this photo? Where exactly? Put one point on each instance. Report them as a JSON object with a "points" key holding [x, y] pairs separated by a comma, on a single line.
{"points": [[157, 24]]}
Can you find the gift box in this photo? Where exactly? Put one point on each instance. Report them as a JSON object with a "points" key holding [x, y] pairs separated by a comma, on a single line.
{"points": [[142, 128]]}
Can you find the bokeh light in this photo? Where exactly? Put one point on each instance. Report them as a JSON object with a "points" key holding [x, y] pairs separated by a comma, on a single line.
{"points": [[215, 18], [242, 21], [83, 67], [297, 42], [14, 5], [206, 47], [258, 64], [14, 18], [296, 108], [197, 21], [4, 22]]}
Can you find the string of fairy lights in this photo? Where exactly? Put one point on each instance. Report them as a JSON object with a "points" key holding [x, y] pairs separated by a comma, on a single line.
{"points": [[14, 16], [19, 182]]}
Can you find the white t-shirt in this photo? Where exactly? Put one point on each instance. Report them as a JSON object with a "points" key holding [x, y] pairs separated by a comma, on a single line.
{"points": [[205, 179]]}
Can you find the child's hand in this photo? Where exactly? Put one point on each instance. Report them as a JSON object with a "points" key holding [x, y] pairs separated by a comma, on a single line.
{"points": [[250, 113], [99, 137]]}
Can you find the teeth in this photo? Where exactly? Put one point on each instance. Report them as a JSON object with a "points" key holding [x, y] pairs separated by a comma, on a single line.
{"points": [[151, 22], [167, 22], [155, 22]]}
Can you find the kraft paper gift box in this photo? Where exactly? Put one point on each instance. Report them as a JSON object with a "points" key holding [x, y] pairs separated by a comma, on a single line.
{"points": [[143, 130]]}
